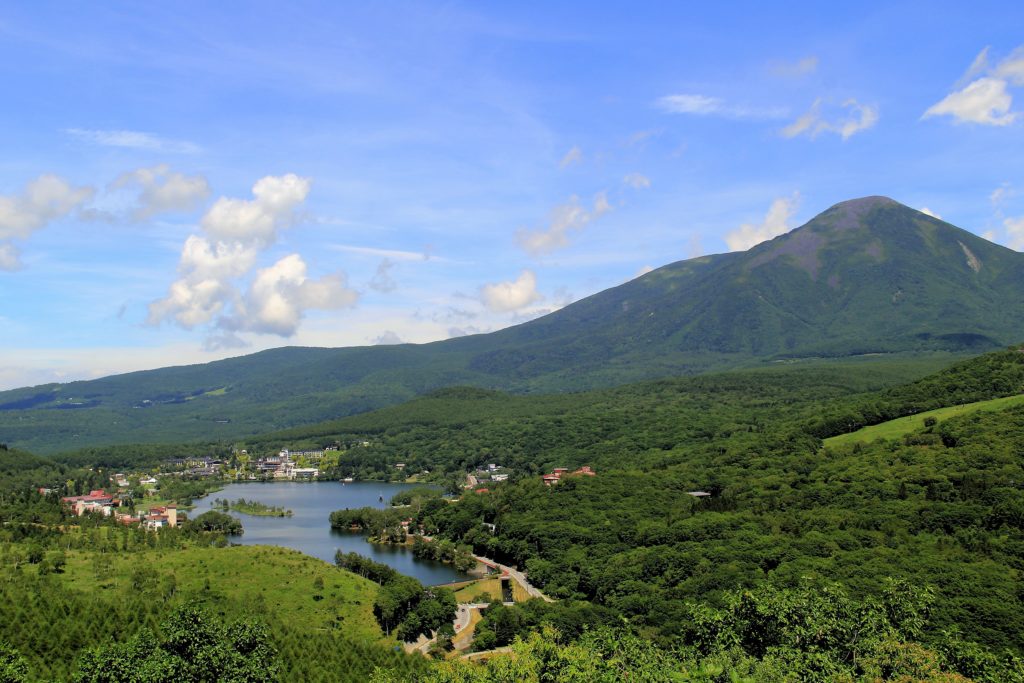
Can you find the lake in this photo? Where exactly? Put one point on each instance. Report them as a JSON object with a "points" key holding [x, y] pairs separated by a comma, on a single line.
{"points": [[309, 531]]}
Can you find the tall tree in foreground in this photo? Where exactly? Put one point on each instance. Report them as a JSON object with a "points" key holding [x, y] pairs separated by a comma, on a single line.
{"points": [[191, 647]]}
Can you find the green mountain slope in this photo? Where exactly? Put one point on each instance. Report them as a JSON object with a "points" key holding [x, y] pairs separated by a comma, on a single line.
{"points": [[867, 276]]}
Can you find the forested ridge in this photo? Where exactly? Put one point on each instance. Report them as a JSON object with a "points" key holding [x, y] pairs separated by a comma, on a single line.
{"points": [[867, 276]]}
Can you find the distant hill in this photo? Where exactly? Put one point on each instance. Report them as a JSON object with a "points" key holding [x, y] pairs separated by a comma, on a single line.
{"points": [[867, 276]]}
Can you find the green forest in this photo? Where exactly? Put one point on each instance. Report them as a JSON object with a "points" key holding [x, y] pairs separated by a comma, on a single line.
{"points": [[896, 559]]}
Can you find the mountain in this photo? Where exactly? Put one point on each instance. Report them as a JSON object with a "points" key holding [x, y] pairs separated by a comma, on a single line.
{"points": [[867, 276]]}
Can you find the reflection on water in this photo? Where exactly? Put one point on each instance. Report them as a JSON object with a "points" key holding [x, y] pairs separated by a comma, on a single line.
{"points": [[309, 531]]}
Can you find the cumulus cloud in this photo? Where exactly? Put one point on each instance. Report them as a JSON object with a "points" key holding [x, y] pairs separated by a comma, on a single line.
{"points": [[504, 297], [703, 105], [133, 139], [986, 100], [776, 222], [573, 156], [45, 199], [928, 212], [256, 221], [849, 119], [281, 293], [644, 270], [637, 181], [162, 190], [565, 218], [237, 232], [382, 280]]}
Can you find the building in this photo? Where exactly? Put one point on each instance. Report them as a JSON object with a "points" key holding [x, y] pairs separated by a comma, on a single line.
{"points": [[559, 473], [97, 501], [159, 518]]}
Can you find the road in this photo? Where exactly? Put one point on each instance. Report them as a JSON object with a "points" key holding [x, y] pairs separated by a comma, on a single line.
{"points": [[518, 576], [462, 618]]}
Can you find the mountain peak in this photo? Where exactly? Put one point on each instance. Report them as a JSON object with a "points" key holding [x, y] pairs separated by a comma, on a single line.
{"points": [[863, 203], [848, 214]]}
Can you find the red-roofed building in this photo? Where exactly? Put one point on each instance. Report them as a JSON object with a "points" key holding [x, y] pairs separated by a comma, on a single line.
{"points": [[97, 501], [559, 472]]}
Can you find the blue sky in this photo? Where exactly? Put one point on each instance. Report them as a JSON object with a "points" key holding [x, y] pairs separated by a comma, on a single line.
{"points": [[184, 182]]}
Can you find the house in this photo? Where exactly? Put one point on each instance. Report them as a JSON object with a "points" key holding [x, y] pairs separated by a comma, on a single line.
{"points": [[698, 494], [499, 477], [160, 517], [97, 501], [559, 472]]}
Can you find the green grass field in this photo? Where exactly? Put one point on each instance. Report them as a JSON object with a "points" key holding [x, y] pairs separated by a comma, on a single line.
{"points": [[281, 579], [318, 617], [895, 429]]}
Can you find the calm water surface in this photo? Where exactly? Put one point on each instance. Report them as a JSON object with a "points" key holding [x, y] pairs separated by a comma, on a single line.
{"points": [[309, 531]]}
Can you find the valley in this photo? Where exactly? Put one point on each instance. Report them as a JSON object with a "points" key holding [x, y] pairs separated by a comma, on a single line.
{"points": [[790, 463]]}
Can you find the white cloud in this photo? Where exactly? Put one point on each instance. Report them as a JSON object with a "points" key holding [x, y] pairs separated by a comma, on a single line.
{"points": [[986, 100], [802, 67], [571, 216], [503, 297], [637, 181], [237, 231], [191, 301], [163, 190], [1015, 232], [133, 139], [573, 156], [643, 271], [280, 295], [928, 212], [257, 220], [776, 222], [703, 105], [855, 118], [983, 101], [390, 254], [45, 199]]}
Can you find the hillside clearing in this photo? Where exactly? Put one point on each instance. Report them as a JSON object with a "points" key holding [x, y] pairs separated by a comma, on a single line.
{"points": [[894, 429]]}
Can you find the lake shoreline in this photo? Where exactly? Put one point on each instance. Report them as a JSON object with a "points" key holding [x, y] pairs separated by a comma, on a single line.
{"points": [[308, 529]]}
